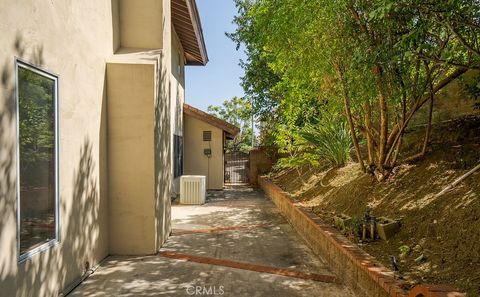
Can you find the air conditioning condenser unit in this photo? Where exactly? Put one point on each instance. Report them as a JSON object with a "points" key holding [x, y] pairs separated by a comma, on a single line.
{"points": [[192, 189]]}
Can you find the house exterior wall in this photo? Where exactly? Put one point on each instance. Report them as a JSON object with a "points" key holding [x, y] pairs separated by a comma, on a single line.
{"points": [[71, 39], [91, 47], [196, 163], [177, 94], [141, 24], [131, 93], [163, 122], [140, 200]]}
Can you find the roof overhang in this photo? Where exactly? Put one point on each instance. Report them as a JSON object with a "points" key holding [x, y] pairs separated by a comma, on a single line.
{"points": [[186, 21], [230, 130]]}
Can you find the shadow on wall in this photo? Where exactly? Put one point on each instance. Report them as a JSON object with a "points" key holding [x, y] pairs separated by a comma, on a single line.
{"points": [[44, 274], [8, 255], [64, 263], [163, 168], [83, 230], [115, 25], [162, 159]]}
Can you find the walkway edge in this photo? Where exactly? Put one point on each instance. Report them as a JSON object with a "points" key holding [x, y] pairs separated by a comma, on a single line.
{"points": [[178, 232], [360, 271], [252, 267]]}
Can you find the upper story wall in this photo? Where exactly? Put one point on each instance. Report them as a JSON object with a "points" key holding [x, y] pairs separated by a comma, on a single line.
{"points": [[177, 95], [178, 84], [140, 23]]}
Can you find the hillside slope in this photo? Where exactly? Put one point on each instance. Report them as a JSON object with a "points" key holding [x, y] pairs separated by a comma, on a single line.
{"points": [[446, 230]]}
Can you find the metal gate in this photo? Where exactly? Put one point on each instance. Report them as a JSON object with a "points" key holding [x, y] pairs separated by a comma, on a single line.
{"points": [[236, 168]]}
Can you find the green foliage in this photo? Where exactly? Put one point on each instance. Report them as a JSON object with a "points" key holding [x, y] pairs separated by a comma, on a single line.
{"points": [[259, 79], [309, 58], [314, 143], [353, 227], [329, 139], [404, 251], [236, 111], [296, 161]]}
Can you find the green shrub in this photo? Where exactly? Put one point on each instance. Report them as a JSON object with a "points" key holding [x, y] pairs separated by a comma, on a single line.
{"points": [[296, 161], [330, 139]]}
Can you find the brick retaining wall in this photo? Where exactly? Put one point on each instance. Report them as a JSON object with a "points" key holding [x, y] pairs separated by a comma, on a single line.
{"points": [[261, 162], [357, 269]]}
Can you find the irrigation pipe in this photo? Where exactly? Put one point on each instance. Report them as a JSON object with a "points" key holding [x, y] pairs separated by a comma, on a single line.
{"points": [[458, 180]]}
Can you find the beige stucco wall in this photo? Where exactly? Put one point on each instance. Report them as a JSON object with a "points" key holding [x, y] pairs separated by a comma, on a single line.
{"points": [[195, 162], [71, 39], [177, 94], [141, 24], [140, 173], [163, 147], [76, 40], [131, 95]]}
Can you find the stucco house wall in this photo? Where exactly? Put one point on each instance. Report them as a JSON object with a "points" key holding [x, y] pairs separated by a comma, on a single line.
{"points": [[131, 151], [139, 150], [71, 40], [177, 95], [196, 162], [117, 116]]}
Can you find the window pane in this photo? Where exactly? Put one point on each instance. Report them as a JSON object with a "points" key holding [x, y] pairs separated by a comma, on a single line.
{"points": [[177, 155], [36, 100], [180, 158]]}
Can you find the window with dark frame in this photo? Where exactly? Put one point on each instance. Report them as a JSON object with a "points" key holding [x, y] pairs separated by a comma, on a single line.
{"points": [[177, 156], [37, 156]]}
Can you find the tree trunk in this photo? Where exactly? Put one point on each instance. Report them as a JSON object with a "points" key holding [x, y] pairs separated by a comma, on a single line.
{"points": [[429, 126], [393, 163], [348, 112], [383, 130], [382, 104], [368, 126], [420, 101], [427, 132]]}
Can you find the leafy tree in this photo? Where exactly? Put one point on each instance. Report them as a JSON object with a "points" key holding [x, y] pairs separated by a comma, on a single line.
{"points": [[376, 63], [236, 111], [259, 79]]}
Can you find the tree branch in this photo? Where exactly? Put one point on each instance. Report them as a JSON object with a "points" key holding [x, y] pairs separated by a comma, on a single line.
{"points": [[462, 40]]}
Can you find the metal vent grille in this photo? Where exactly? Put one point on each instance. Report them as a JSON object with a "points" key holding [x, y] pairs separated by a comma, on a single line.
{"points": [[192, 189], [207, 135]]}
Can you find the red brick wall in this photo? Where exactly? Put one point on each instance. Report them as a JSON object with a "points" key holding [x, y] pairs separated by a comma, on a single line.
{"points": [[261, 162], [357, 269]]}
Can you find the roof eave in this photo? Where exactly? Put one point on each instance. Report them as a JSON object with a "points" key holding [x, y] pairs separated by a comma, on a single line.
{"points": [[231, 130], [197, 24], [186, 20]]}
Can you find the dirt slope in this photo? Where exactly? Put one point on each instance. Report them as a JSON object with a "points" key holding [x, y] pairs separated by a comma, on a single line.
{"points": [[446, 230]]}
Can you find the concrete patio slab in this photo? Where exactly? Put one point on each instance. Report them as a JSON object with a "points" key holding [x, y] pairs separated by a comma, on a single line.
{"points": [[219, 248]]}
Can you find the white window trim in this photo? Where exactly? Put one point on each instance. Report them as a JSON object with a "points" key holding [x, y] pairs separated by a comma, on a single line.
{"points": [[19, 63]]}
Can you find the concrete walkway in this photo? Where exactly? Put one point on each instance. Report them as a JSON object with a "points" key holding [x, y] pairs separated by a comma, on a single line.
{"points": [[235, 245]]}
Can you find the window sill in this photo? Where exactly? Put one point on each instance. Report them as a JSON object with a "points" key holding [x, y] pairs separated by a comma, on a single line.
{"points": [[39, 249]]}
